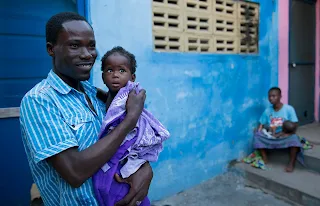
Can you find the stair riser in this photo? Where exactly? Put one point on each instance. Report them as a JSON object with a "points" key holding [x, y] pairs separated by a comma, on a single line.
{"points": [[312, 163], [282, 190]]}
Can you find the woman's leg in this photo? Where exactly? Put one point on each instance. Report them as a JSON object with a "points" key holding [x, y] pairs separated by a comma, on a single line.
{"points": [[293, 156], [264, 155]]}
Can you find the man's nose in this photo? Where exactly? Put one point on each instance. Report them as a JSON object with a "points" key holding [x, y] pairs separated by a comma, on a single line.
{"points": [[85, 54]]}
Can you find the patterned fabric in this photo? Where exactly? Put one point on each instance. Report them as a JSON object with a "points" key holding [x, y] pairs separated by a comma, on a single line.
{"points": [[149, 134], [306, 145], [55, 117], [255, 160]]}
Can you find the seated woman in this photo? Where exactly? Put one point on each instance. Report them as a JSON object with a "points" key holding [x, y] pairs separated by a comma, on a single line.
{"points": [[280, 121]]}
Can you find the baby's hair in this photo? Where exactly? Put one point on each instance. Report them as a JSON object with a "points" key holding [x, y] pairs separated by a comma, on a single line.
{"points": [[289, 127], [118, 49]]}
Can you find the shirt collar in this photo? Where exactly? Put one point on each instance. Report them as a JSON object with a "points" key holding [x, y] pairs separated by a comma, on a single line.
{"points": [[60, 86]]}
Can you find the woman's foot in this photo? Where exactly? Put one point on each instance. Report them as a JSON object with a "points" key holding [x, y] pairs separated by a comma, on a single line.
{"points": [[264, 155], [265, 160], [290, 167]]}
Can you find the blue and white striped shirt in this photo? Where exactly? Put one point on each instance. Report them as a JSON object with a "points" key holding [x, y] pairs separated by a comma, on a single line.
{"points": [[53, 118]]}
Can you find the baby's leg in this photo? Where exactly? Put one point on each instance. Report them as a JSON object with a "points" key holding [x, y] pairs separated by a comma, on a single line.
{"points": [[264, 155], [293, 156]]}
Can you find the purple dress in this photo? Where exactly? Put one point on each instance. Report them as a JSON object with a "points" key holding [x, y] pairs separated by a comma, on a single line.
{"points": [[142, 144]]}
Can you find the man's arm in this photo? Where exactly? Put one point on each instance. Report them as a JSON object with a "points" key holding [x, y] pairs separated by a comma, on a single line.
{"points": [[49, 138], [77, 166]]}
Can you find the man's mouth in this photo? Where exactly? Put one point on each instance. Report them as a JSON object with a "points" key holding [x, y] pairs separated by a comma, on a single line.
{"points": [[85, 66]]}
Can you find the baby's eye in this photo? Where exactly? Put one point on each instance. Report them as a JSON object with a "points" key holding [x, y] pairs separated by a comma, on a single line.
{"points": [[74, 46], [122, 70], [109, 70]]}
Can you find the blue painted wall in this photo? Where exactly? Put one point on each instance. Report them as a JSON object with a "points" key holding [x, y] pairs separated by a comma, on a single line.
{"points": [[210, 103]]}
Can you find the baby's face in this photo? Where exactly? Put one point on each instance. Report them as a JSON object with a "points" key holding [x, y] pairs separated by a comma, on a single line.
{"points": [[116, 72]]}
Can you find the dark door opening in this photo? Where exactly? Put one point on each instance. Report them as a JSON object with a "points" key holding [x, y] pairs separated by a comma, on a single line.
{"points": [[302, 59]]}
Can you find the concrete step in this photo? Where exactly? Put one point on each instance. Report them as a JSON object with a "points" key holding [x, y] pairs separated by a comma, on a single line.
{"points": [[311, 132], [312, 158], [301, 186], [228, 189]]}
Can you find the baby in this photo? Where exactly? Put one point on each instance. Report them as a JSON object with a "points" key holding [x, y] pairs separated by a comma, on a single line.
{"points": [[142, 144], [288, 128]]}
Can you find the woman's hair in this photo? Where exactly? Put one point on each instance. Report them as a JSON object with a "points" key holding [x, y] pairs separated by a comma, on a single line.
{"points": [[118, 49], [275, 89]]}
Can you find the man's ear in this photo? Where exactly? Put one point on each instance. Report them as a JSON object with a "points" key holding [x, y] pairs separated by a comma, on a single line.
{"points": [[133, 77], [50, 49]]}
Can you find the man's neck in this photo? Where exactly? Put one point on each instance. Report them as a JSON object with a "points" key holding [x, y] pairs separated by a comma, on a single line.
{"points": [[69, 81], [277, 106]]}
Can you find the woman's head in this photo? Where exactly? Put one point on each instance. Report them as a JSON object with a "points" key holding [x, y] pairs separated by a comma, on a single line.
{"points": [[118, 67], [274, 95]]}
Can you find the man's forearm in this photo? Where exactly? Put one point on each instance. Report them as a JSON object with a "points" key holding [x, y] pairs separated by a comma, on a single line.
{"points": [[77, 166]]}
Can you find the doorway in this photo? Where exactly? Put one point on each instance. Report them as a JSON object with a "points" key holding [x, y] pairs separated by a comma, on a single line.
{"points": [[302, 45]]}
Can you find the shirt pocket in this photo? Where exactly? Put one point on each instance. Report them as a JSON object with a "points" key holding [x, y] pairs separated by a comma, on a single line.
{"points": [[77, 122], [82, 126]]}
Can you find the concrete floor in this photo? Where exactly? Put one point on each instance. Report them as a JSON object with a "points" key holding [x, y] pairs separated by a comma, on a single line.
{"points": [[230, 189], [225, 190]]}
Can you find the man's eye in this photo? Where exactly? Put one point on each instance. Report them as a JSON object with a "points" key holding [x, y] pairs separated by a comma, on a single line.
{"points": [[73, 46]]}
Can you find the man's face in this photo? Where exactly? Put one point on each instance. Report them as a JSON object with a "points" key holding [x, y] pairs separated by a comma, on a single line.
{"points": [[274, 97], [74, 52]]}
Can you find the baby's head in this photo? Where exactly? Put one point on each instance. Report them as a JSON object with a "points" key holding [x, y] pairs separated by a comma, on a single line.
{"points": [[118, 67], [289, 127]]}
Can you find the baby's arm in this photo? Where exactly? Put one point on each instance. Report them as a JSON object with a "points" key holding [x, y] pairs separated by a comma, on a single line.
{"points": [[102, 95]]}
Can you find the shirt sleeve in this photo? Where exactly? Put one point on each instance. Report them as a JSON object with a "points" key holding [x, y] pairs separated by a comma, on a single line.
{"points": [[264, 118], [45, 132], [292, 115]]}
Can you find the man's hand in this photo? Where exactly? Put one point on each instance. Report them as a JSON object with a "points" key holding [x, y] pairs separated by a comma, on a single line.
{"points": [[139, 185], [135, 104]]}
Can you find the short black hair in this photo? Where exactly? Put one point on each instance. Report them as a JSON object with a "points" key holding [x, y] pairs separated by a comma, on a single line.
{"points": [[118, 49], [54, 24], [275, 89]]}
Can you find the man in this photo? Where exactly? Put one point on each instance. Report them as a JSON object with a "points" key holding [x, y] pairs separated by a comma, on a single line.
{"points": [[61, 117]]}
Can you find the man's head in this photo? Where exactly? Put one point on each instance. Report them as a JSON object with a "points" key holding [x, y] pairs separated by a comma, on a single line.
{"points": [[274, 95], [289, 127], [118, 67], [71, 44]]}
